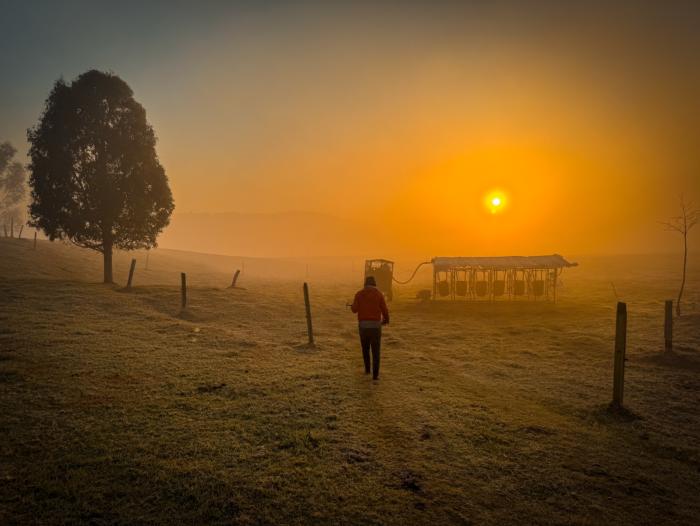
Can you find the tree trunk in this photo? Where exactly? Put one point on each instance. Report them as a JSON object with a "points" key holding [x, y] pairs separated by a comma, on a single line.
{"points": [[107, 253], [685, 264]]}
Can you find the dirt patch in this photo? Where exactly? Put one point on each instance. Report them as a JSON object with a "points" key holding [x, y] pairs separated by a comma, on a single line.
{"points": [[7, 377], [210, 388]]}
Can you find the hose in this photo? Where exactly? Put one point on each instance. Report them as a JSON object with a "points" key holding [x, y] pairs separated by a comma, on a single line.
{"points": [[412, 275]]}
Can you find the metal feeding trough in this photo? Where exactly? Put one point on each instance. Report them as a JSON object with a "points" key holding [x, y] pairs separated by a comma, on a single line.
{"points": [[491, 278], [482, 278]]}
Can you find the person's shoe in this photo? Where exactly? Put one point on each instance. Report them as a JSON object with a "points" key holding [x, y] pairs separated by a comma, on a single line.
{"points": [[375, 378]]}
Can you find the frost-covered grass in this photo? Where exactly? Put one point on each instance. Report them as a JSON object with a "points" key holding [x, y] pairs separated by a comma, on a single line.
{"points": [[116, 407]]}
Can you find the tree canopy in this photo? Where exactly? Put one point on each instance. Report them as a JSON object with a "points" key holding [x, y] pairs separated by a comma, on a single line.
{"points": [[95, 176]]}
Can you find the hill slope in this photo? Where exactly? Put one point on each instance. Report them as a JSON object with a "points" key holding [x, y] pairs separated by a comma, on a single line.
{"points": [[116, 407]]}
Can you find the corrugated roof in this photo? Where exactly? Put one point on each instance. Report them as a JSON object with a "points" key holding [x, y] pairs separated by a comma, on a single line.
{"points": [[502, 262]]}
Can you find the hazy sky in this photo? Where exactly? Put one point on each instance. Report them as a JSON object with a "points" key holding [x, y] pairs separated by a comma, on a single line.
{"points": [[400, 115]]}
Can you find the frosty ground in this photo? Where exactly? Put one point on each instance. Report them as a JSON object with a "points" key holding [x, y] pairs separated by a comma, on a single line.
{"points": [[118, 407]]}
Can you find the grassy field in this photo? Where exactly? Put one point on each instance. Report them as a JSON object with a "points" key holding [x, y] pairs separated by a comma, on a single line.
{"points": [[116, 407]]}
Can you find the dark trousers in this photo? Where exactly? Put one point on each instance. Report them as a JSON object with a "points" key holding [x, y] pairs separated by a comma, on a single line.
{"points": [[371, 338]]}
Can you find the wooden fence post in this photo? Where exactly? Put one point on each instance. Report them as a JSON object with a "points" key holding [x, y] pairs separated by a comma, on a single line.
{"points": [[668, 325], [21, 228], [131, 273], [235, 279], [183, 279], [309, 327], [35, 240], [619, 364]]}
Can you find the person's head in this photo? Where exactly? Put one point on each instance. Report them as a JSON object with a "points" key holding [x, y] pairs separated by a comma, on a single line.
{"points": [[370, 281]]}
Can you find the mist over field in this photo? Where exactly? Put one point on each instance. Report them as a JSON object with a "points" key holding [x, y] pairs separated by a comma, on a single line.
{"points": [[308, 235]]}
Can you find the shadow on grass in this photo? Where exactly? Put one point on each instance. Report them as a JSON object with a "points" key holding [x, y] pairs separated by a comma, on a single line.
{"points": [[306, 347], [501, 309], [610, 414], [187, 315], [680, 360]]}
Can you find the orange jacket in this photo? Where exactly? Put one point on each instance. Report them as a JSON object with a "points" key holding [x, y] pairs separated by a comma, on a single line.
{"points": [[369, 304]]}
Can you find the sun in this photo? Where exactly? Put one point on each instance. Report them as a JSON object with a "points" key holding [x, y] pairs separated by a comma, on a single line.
{"points": [[495, 201]]}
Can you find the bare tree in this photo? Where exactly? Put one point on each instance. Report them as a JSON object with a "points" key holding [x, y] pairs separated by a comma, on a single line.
{"points": [[683, 224], [12, 187]]}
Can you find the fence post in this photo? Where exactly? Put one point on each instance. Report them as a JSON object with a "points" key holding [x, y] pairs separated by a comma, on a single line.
{"points": [[21, 228], [235, 279], [668, 325], [35, 240], [183, 279], [309, 327], [131, 273], [619, 364]]}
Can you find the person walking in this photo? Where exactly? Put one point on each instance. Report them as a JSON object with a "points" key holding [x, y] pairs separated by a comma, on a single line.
{"points": [[372, 313]]}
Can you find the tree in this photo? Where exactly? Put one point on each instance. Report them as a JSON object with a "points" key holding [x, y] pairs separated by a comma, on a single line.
{"points": [[95, 176], [683, 224], [12, 185]]}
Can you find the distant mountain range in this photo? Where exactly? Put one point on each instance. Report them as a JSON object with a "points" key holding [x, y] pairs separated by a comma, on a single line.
{"points": [[289, 234]]}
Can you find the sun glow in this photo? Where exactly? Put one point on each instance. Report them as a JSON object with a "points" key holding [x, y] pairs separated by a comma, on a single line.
{"points": [[495, 202]]}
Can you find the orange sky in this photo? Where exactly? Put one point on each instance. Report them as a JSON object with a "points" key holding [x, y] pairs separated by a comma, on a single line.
{"points": [[402, 117], [589, 148]]}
